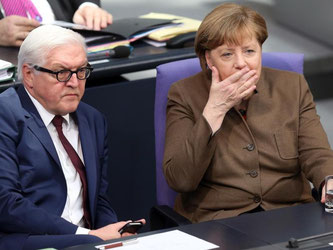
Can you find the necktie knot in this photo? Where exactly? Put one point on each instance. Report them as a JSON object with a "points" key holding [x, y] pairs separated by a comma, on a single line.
{"points": [[57, 121]]}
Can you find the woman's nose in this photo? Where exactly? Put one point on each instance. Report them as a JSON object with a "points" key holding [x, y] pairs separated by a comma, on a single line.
{"points": [[239, 62]]}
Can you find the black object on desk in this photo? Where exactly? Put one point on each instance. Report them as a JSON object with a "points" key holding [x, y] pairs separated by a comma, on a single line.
{"points": [[125, 28], [321, 241], [295, 243], [117, 52], [279, 225], [182, 40], [142, 57]]}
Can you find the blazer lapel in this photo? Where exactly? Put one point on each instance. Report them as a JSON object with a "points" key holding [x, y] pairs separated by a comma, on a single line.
{"points": [[89, 156], [36, 125], [260, 103]]}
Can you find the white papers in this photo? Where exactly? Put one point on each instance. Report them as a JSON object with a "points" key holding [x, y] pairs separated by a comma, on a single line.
{"points": [[188, 25], [154, 43], [172, 240], [69, 25]]}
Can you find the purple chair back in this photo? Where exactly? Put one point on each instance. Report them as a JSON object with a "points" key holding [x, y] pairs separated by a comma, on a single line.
{"points": [[171, 72]]}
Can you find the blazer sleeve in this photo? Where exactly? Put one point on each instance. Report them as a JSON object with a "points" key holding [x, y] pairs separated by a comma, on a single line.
{"points": [[189, 146], [17, 213], [316, 156]]}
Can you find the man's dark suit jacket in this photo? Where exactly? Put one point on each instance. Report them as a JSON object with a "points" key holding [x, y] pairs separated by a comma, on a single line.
{"points": [[32, 184], [65, 9]]}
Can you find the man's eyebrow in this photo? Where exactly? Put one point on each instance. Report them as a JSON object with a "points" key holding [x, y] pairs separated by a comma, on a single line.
{"points": [[58, 65], [61, 66]]}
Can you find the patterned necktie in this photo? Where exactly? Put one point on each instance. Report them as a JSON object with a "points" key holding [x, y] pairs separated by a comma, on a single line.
{"points": [[57, 122], [23, 8]]}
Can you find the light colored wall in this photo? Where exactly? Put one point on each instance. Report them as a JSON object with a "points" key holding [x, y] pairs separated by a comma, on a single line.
{"points": [[313, 18]]}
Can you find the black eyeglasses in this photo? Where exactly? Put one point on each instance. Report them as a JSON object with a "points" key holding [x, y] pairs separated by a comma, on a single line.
{"points": [[66, 74]]}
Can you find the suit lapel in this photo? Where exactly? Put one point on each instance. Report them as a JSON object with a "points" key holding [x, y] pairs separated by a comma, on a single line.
{"points": [[36, 125], [89, 156]]}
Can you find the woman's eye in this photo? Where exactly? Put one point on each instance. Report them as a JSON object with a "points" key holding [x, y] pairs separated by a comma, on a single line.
{"points": [[250, 51], [226, 54]]}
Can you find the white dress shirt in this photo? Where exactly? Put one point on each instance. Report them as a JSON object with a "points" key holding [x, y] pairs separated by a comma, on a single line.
{"points": [[73, 210], [46, 11]]}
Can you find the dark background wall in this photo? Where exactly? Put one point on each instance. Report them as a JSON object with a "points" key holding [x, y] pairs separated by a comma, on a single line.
{"points": [[129, 109]]}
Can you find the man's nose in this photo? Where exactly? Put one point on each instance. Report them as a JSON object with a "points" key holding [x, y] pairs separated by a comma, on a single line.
{"points": [[73, 81]]}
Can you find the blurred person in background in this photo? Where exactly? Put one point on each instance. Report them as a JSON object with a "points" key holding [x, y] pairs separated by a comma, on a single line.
{"points": [[19, 17]]}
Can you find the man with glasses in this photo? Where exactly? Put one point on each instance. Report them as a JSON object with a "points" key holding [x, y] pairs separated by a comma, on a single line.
{"points": [[53, 150]]}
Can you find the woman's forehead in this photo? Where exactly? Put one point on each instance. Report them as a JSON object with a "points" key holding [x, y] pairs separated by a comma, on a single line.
{"points": [[239, 36]]}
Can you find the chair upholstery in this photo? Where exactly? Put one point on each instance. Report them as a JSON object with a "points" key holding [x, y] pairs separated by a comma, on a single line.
{"points": [[171, 72]]}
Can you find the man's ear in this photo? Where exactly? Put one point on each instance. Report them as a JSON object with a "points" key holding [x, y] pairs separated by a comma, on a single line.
{"points": [[28, 76], [208, 59]]}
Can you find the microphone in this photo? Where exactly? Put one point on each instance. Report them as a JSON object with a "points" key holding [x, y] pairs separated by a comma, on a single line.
{"points": [[117, 52]]}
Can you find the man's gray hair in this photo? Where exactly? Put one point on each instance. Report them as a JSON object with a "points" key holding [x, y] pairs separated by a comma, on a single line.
{"points": [[40, 41]]}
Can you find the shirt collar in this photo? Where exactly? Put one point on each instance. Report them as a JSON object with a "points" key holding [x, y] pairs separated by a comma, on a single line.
{"points": [[46, 116]]}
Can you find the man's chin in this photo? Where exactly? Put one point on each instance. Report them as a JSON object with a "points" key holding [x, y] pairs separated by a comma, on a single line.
{"points": [[69, 108]]}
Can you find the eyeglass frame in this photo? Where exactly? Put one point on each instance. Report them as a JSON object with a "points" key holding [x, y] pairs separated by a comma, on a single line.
{"points": [[56, 73]]}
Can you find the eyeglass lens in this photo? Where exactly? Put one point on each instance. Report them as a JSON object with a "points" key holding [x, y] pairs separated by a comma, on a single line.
{"points": [[65, 75]]}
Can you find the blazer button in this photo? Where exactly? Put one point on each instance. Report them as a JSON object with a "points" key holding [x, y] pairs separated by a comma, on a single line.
{"points": [[250, 147], [257, 198], [253, 173]]}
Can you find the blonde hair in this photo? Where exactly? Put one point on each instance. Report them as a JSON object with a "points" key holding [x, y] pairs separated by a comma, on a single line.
{"points": [[228, 24]]}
